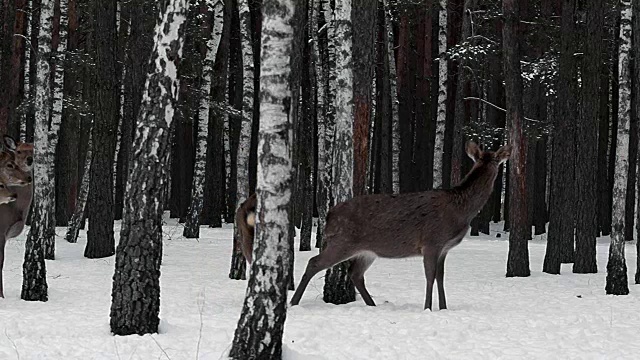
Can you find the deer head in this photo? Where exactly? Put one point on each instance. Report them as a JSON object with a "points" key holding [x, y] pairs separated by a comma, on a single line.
{"points": [[23, 152], [10, 173]]}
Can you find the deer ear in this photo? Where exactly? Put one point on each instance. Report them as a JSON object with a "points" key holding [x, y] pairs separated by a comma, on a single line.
{"points": [[9, 143], [473, 150], [503, 154]]}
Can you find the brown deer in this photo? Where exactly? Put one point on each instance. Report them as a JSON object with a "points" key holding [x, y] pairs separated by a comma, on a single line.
{"points": [[13, 215], [426, 224], [246, 222], [6, 195]]}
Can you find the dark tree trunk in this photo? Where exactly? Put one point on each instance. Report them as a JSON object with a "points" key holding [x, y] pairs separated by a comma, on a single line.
{"points": [[562, 198], [635, 105], [604, 195], [100, 239], [518, 259], [587, 152], [136, 283], [540, 184]]}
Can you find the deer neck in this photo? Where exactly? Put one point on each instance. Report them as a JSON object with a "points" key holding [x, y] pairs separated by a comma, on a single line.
{"points": [[475, 189]]}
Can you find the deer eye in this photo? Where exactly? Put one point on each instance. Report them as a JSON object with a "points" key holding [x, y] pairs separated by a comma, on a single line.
{"points": [[10, 166]]}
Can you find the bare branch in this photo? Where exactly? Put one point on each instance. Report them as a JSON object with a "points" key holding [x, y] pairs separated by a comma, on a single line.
{"points": [[496, 106]]}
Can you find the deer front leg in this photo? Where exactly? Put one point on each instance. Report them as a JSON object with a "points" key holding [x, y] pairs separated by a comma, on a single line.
{"points": [[442, 301], [2, 243], [430, 262]]}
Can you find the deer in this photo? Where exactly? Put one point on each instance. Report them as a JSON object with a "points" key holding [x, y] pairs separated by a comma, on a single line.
{"points": [[427, 224], [17, 159], [246, 222]]}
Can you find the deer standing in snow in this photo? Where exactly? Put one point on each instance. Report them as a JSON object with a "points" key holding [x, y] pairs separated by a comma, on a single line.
{"points": [[16, 160], [246, 222], [426, 224]]}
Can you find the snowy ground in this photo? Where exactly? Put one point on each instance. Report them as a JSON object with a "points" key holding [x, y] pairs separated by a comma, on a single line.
{"points": [[489, 316]]}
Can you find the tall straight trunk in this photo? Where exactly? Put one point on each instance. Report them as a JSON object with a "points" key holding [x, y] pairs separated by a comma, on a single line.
{"points": [[630, 203], [615, 103], [54, 127], [442, 96], [616, 282], [34, 283], [16, 45], [636, 105], [26, 102], [78, 214], [540, 184], [461, 115], [562, 197], [338, 289], [393, 89], [587, 151], [307, 130], [238, 264], [518, 258], [100, 237], [363, 18], [319, 65], [192, 226], [604, 195], [136, 282], [261, 326]]}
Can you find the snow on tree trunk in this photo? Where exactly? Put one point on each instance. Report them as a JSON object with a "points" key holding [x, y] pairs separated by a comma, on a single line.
{"points": [[616, 283], [78, 214], [338, 288], [136, 283], [192, 225], [34, 283], [227, 151], [56, 119], [261, 325], [442, 96], [393, 87], [238, 263]]}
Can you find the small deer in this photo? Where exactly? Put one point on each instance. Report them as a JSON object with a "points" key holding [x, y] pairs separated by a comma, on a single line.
{"points": [[426, 224], [246, 222], [6, 195], [13, 215]]}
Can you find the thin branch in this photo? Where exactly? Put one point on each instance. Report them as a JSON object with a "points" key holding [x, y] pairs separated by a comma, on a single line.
{"points": [[28, 42], [496, 106]]}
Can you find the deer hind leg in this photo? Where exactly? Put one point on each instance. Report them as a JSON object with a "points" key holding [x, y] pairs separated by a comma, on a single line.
{"points": [[430, 259], [2, 244], [359, 265], [442, 301], [330, 256]]}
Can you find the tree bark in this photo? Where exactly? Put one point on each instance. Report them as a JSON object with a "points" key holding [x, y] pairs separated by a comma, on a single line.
{"points": [[338, 288], [438, 179], [261, 326], [518, 258], [587, 152], [34, 283], [616, 282], [100, 237], [78, 214], [192, 226], [136, 283], [636, 105]]}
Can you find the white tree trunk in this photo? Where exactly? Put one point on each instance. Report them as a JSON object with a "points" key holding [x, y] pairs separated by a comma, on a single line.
{"points": [[616, 267], [338, 288], [442, 96], [26, 98], [242, 193], [261, 325], [192, 226], [136, 282], [34, 285], [395, 117]]}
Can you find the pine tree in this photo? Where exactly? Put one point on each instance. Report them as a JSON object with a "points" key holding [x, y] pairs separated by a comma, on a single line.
{"points": [[34, 283], [238, 263], [617, 283], [261, 325], [192, 225], [587, 151], [136, 283], [518, 258], [78, 214], [338, 288]]}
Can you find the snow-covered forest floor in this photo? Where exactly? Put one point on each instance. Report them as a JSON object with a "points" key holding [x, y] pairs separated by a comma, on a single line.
{"points": [[489, 316]]}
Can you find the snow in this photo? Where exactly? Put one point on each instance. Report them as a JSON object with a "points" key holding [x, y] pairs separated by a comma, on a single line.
{"points": [[489, 316]]}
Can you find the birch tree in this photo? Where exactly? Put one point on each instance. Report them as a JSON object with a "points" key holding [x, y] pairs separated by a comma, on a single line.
{"points": [[238, 263], [338, 288], [616, 282], [320, 88], [136, 283], [81, 203], [442, 96], [192, 225], [393, 87], [261, 325], [34, 283], [636, 107]]}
